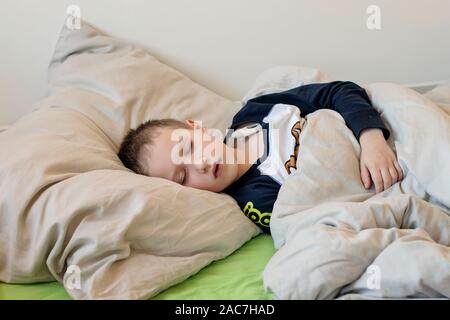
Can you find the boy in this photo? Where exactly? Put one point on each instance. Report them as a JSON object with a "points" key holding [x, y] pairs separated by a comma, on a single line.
{"points": [[254, 183]]}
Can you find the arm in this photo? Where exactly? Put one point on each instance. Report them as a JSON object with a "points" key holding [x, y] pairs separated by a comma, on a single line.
{"points": [[345, 97], [378, 162]]}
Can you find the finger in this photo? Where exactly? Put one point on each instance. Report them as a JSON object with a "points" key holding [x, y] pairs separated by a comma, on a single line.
{"points": [[394, 174], [399, 170], [365, 176], [387, 179], [377, 179]]}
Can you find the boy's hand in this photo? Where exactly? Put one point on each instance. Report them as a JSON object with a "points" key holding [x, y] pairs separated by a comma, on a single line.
{"points": [[378, 162]]}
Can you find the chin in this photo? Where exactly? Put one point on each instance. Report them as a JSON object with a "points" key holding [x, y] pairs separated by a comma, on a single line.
{"points": [[212, 188], [217, 189]]}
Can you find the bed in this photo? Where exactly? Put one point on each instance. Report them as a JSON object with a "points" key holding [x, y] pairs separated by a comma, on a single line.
{"points": [[75, 205]]}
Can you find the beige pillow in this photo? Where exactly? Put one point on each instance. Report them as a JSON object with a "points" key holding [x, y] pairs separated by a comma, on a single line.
{"points": [[69, 209]]}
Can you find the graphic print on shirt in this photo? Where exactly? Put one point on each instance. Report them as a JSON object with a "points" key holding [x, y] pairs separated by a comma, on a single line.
{"points": [[292, 162], [285, 124], [262, 219]]}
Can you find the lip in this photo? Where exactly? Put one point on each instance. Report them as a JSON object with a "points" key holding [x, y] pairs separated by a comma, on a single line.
{"points": [[217, 169]]}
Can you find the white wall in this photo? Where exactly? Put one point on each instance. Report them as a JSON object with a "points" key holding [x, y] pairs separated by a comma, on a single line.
{"points": [[225, 44]]}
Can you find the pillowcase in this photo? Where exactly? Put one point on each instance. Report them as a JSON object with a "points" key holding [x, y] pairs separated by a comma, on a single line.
{"points": [[70, 210], [119, 85], [281, 78]]}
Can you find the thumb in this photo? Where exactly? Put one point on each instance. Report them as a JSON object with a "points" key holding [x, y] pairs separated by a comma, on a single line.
{"points": [[365, 176]]}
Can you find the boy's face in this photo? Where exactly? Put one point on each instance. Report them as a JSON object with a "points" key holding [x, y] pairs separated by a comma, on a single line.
{"points": [[186, 161]]}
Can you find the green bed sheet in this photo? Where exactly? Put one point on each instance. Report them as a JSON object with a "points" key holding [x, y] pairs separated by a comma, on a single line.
{"points": [[238, 276]]}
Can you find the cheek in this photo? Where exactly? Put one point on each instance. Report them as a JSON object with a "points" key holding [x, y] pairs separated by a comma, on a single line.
{"points": [[230, 171]]}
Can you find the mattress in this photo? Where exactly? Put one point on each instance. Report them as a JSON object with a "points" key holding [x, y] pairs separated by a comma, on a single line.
{"points": [[238, 276]]}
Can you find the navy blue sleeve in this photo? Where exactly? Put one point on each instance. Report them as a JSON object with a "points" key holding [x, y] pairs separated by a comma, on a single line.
{"points": [[345, 97]]}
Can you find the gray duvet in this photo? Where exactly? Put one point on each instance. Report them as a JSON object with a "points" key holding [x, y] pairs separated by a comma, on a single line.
{"points": [[335, 239]]}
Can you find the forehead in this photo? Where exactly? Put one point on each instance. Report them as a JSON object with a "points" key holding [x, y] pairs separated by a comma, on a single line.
{"points": [[157, 158]]}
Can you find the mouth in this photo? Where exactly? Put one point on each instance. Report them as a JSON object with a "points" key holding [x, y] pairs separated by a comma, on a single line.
{"points": [[217, 169]]}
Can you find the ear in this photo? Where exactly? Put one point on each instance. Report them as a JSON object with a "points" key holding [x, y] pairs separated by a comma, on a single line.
{"points": [[193, 124]]}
